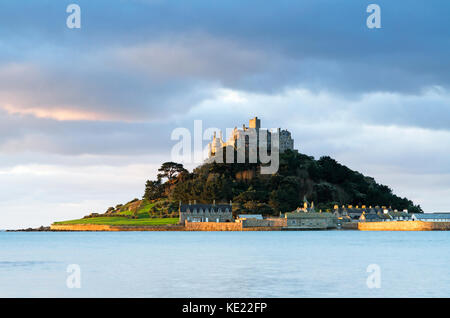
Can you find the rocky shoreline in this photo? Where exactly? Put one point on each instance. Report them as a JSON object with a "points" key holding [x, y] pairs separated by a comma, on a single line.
{"points": [[39, 229]]}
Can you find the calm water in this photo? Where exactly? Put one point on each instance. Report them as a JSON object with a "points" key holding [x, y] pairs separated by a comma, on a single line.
{"points": [[225, 264]]}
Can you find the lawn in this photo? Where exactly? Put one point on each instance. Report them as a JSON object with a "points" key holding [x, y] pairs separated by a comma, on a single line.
{"points": [[117, 220], [142, 211]]}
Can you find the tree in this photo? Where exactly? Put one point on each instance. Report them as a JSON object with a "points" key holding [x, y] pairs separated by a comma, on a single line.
{"points": [[324, 192], [153, 190], [325, 181], [170, 170]]}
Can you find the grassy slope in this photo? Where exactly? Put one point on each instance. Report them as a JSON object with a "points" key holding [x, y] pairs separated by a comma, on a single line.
{"points": [[117, 220], [143, 218]]}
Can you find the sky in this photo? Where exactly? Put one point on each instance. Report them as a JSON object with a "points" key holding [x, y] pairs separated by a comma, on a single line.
{"points": [[86, 115]]}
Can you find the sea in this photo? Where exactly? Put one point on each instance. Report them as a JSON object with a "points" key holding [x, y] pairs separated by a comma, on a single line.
{"points": [[225, 264]]}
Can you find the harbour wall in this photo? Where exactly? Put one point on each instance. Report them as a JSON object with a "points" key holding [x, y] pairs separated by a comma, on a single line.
{"points": [[404, 226], [213, 226], [349, 226], [226, 226], [112, 228], [239, 226], [189, 226]]}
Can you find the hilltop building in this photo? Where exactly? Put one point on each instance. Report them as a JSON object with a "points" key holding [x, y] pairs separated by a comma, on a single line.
{"points": [[205, 212], [285, 139]]}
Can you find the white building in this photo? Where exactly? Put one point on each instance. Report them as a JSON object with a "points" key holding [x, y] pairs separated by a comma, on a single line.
{"points": [[431, 217]]}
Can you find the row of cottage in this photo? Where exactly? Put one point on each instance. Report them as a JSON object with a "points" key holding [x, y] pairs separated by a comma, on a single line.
{"points": [[306, 217]]}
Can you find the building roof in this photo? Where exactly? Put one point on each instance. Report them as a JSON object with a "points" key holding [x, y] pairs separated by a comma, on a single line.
{"points": [[184, 207], [399, 214], [432, 216], [251, 216], [364, 208], [372, 217], [306, 215]]}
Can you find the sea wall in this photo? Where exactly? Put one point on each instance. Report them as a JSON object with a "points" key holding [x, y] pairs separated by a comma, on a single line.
{"points": [[226, 226], [254, 223], [404, 226], [269, 222], [349, 226], [213, 226], [277, 222], [99, 227], [189, 226], [263, 228]]}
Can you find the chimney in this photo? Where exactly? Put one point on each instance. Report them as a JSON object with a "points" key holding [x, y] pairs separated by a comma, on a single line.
{"points": [[195, 201], [189, 202], [214, 202]]}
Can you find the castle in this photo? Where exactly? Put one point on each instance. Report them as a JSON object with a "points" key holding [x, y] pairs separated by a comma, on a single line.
{"points": [[285, 140]]}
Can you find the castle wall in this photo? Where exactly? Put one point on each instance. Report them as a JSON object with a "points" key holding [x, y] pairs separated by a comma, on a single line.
{"points": [[285, 138]]}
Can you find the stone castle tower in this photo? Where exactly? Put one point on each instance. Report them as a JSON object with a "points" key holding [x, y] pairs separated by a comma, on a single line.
{"points": [[286, 142]]}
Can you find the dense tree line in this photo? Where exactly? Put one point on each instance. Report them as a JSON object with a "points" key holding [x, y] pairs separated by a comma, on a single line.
{"points": [[324, 181]]}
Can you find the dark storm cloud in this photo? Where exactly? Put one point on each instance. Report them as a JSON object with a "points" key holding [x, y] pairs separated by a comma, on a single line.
{"points": [[153, 61], [27, 133], [320, 44]]}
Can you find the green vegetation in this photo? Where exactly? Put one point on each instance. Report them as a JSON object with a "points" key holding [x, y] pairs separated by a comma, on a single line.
{"points": [[324, 181], [134, 213], [122, 221]]}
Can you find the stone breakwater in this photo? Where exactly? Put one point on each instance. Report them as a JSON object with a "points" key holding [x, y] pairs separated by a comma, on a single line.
{"points": [[112, 228], [189, 226], [240, 226], [226, 226], [404, 226]]}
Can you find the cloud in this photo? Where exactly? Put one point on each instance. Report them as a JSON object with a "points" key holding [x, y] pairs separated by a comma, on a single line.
{"points": [[103, 100], [39, 194], [64, 92], [193, 56]]}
